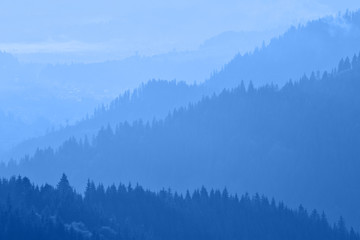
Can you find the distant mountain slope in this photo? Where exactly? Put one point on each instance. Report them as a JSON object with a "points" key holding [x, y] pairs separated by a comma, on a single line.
{"points": [[113, 77], [100, 82], [14, 130], [29, 107], [63, 93], [125, 212], [298, 143], [316, 46], [153, 100]]}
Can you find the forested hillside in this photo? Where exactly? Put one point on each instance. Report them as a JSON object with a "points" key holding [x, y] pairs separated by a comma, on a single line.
{"points": [[153, 100], [318, 45], [180, 120], [131, 212], [298, 143]]}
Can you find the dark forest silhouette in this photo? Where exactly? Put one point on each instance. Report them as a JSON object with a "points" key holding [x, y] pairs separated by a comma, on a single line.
{"points": [[130, 212]]}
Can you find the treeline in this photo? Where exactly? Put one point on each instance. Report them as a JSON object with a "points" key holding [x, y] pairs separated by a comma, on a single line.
{"points": [[317, 45], [298, 143], [153, 100], [29, 211]]}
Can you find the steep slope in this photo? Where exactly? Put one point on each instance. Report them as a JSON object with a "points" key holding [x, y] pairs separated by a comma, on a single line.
{"points": [[120, 212], [298, 143], [153, 100], [63, 93], [318, 45], [99, 82]]}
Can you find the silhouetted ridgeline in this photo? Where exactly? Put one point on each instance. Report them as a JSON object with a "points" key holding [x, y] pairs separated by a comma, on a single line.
{"points": [[318, 45], [153, 100], [299, 143], [69, 91], [125, 212]]}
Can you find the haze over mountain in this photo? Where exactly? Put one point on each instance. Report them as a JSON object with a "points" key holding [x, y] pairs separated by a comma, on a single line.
{"points": [[146, 103], [298, 143], [85, 86], [254, 97], [108, 30], [318, 45]]}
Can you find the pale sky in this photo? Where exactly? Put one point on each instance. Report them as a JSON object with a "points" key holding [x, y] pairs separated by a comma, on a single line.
{"points": [[148, 27]]}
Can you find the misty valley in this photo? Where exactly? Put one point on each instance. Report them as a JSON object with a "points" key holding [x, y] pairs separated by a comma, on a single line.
{"points": [[252, 135]]}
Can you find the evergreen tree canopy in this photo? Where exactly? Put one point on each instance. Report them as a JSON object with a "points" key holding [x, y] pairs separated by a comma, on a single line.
{"points": [[124, 212], [298, 143]]}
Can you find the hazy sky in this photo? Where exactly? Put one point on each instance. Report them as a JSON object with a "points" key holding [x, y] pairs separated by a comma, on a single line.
{"points": [[145, 26]]}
